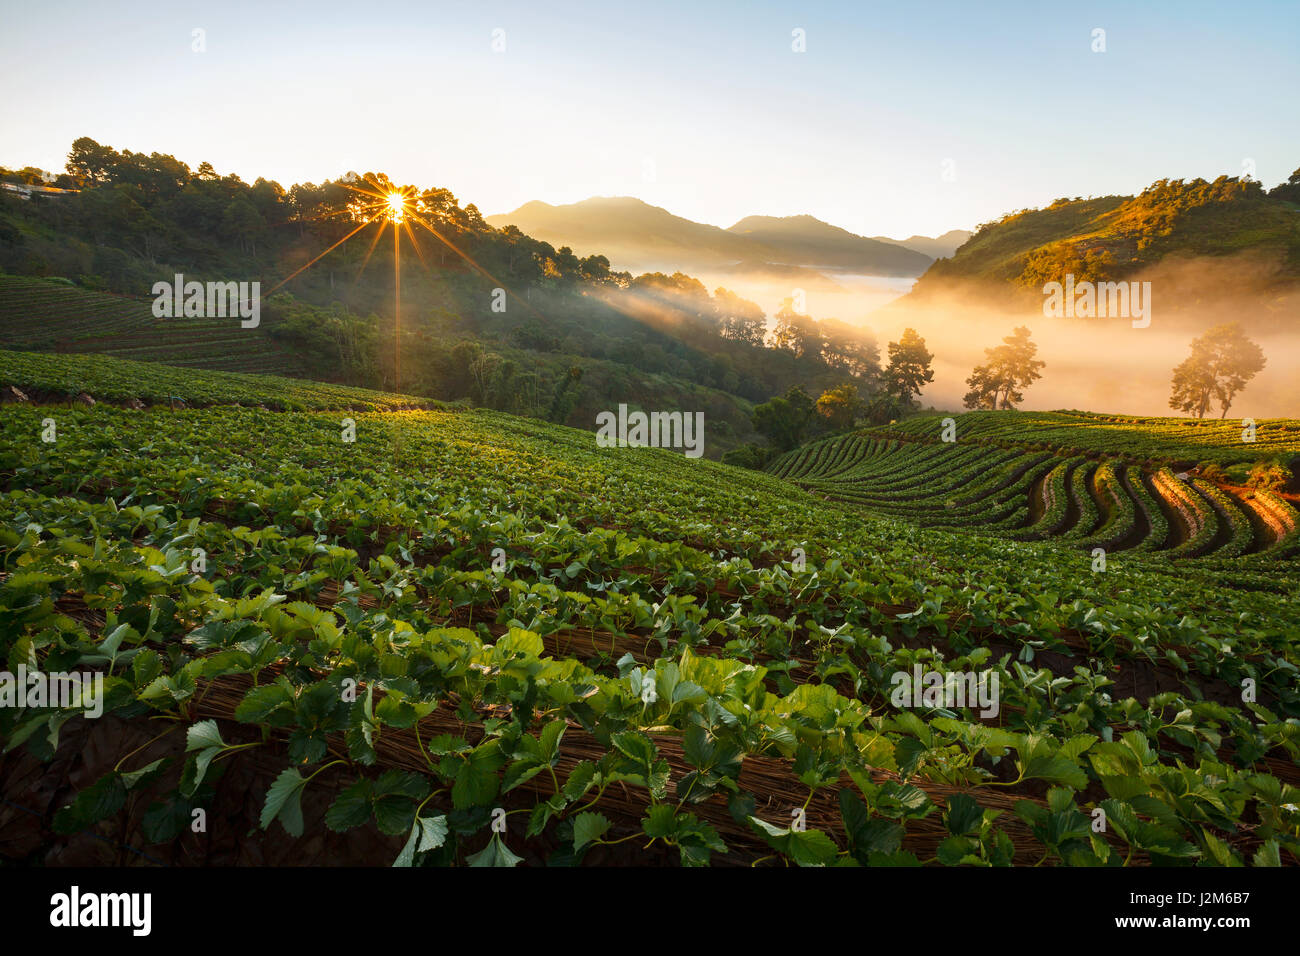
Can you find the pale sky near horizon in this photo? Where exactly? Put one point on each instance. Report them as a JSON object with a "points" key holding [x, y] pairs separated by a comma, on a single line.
{"points": [[898, 119]]}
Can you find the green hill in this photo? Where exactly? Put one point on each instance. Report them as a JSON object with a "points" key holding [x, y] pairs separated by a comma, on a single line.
{"points": [[1119, 237], [490, 316]]}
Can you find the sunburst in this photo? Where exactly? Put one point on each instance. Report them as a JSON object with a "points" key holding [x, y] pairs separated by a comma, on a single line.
{"points": [[379, 202]]}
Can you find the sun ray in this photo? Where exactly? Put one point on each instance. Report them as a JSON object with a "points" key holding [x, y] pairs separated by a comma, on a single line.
{"points": [[318, 258], [478, 268], [397, 306], [419, 253], [365, 260], [380, 204]]}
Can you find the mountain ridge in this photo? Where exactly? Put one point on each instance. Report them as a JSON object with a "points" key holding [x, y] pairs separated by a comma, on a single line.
{"points": [[638, 235], [937, 247]]}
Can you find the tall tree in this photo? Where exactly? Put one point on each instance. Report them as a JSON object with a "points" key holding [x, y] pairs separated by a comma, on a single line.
{"points": [[739, 319], [796, 333], [852, 349], [1223, 360], [1010, 367], [90, 163], [840, 406], [909, 367], [784, 419]]}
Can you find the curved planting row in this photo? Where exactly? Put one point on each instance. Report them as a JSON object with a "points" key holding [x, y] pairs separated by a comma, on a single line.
{"points": [[1194, 520], [1145, 439], [902, 485], [1285, 517], [1117, 526], [993, 487], [1276, 526], [1083, 502], [1054, 495], [1159, 533], [1237, 528], [946, 488]]}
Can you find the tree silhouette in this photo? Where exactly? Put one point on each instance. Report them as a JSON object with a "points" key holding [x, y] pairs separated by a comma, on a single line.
{"points": [[1010, 367], [796, 333], [909, 367], [1223, 360]]}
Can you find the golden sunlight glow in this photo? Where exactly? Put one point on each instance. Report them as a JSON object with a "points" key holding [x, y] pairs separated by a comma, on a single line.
{"points": [[379, 203]]}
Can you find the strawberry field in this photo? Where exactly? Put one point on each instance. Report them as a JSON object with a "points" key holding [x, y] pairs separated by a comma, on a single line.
{"points": [[61, 378], [460, 637], [1182, 488], [57, 316]]}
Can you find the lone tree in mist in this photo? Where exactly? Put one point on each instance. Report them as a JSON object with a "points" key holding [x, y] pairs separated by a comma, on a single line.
{"points": [[1010, 367], [1223, 360], [909, 367]]}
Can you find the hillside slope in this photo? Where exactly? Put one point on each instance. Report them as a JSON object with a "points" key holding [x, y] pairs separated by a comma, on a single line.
{"points": [[57, 316], [460, 611], [44, 377], [1201, 240]]}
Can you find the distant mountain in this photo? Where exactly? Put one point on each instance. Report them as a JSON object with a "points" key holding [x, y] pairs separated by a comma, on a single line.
{"points": [[938, 247], [640, 237], [633, 234], [805, 240]]}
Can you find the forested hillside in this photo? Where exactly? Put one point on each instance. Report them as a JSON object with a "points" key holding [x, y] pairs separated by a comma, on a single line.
{"points": [[563, 338], [1119, 237]]}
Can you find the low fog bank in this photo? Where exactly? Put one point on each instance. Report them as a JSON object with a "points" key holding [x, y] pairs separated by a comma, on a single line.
{"points": [[1106, 365], [827, 294], [1101, 365], [1096, 364]]}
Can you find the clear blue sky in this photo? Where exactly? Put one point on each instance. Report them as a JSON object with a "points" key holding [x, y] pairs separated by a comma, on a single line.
{"points": [[699, 107]]}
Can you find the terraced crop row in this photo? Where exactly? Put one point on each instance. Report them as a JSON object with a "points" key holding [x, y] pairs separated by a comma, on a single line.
{"points": [[104, 378], [43, 309], [989, 484], [1156, 439], [59, 317], [1117, 511]]}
